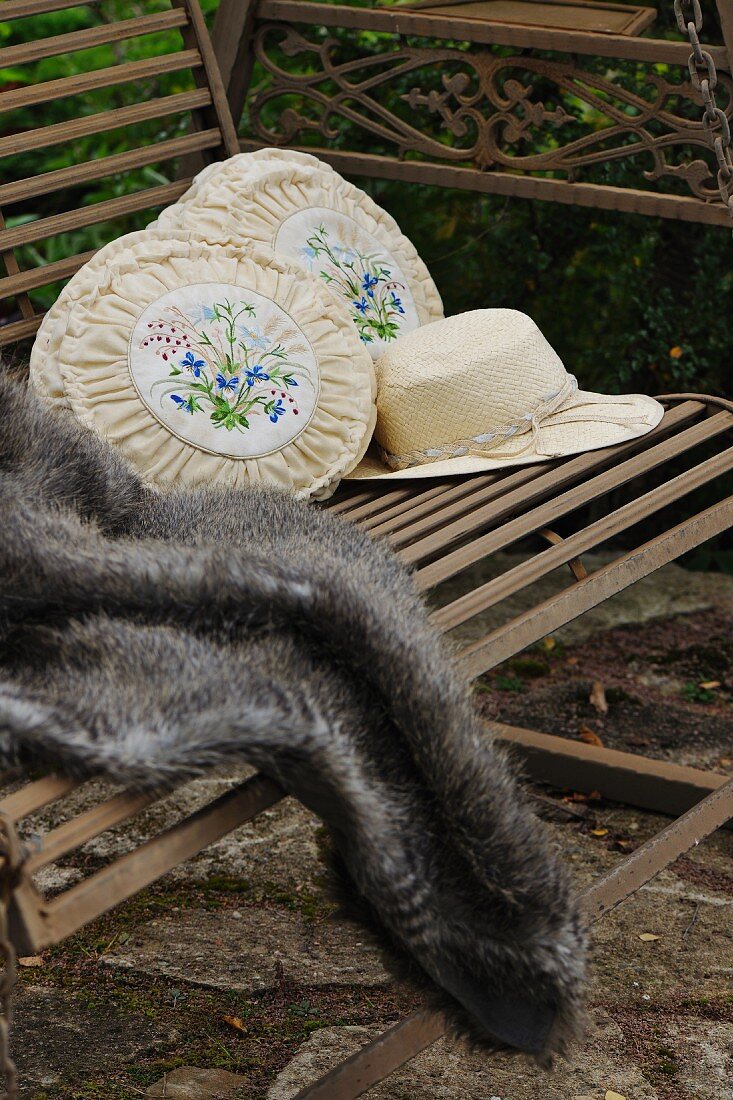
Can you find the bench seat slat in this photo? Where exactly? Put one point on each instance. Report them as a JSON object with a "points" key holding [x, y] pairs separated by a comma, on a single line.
{"points": [[419, 503], [607, 527], [85, 826], [99, 79], [94, 170], [544, 514], [89, 125], [34, 796], [92, 215], [557, 611], [25, 53]]}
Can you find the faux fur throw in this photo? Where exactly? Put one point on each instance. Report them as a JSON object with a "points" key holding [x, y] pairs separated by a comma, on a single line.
{"points": [[151, 638]]}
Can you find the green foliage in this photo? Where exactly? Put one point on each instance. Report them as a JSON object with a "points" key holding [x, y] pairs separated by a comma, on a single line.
{"points": [[694, 693], [628, 302]]}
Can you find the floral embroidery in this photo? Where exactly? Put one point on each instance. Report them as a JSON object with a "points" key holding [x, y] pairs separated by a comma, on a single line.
{"points": [[363, 280], [222, 367]]}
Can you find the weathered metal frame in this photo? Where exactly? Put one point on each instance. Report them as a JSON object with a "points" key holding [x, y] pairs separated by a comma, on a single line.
{"points": [[441, 528], [240, 34], [444, 527]]}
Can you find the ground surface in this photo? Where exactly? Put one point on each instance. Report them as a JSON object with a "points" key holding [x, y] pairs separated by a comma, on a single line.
{"points": [[230, 977]]}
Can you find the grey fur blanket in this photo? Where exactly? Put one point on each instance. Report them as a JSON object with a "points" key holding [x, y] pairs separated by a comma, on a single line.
{"points": [[151, 638]]}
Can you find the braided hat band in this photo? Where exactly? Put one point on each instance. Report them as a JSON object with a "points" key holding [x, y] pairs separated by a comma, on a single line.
{"points": [[485, 391], [490, 443]]}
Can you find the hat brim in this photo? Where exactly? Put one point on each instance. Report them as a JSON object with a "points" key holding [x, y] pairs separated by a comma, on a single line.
{"points": [[558, 439]]}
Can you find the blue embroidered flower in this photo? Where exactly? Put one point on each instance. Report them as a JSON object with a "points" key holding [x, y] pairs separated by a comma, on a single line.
{"points": [[255, 338], [288, 380], [308, 252], [256, 374], [193, 364], [188, 405], [397, 303], [277, 409], [362, 305], [368, 283], [345, 252], [223, 384]]}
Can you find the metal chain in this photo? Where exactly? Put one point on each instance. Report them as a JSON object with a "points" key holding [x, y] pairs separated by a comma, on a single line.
{"points": [[704, 79], [10, 859]]}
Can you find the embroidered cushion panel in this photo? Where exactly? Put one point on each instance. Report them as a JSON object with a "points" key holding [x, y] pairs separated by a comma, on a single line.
{"points": [[211, 364], [334, 230]]}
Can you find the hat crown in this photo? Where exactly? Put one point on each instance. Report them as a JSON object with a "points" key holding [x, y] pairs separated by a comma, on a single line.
{"points": [[461, 378]]}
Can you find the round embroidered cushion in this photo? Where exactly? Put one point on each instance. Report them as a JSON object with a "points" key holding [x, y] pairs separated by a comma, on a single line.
{"points": [[212, 364], [245, 167], [45, 371], [332, 229]]}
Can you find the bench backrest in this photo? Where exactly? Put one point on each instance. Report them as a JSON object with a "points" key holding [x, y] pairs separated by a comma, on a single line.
{"points": [[111, 114], [571, 101]]}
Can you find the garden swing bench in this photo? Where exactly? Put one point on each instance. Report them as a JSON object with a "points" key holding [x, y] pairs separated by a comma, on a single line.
{"points": [[441, 528]]}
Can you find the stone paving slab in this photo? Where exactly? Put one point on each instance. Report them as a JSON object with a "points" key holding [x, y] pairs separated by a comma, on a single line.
{"points": [[278, 848], [670, 591], [446, 1072], [60, 1038], [251, 950], [190, 1083]]}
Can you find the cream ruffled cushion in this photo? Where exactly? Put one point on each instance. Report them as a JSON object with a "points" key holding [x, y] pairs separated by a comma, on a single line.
{"points": [[243, 166], [45, 372], [332, 229], [212, 364]]}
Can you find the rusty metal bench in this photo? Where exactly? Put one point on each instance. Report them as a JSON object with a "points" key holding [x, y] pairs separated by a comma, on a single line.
{"points": [[442, 528]]}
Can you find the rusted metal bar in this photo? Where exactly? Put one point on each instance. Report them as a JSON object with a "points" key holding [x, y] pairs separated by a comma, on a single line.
{"points": [[641, 866], [375, 1061], [599, 586], [392, 1049], [52, 921], [657, 785]]}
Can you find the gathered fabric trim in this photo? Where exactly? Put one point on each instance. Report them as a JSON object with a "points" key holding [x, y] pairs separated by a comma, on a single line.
{"points": [[555, 409]]}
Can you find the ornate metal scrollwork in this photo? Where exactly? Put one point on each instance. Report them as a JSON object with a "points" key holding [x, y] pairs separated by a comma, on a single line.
{"points": [[522, 113]]}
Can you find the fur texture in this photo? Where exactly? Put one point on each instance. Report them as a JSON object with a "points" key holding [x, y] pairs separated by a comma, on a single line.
{"points": [[151, 638]]}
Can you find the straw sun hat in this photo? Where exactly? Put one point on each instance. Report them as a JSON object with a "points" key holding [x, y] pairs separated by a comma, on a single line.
{"points": [[485, 391]]}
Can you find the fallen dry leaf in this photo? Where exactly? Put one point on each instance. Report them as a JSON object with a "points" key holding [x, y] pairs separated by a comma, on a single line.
{"points": [[611, 1095], [30, 960], [599, 832], [235, 1022], [580, 796], [709, 685], [624, 844], [597, 697], [590, 736], [548, 643], [573, 660], [648, 937]]}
